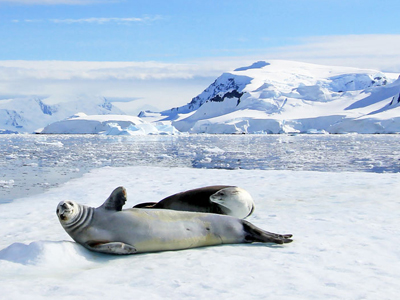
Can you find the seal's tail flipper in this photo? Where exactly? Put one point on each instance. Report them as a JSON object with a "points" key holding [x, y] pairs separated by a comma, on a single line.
{"points": [[255, 234], [145, 205]]}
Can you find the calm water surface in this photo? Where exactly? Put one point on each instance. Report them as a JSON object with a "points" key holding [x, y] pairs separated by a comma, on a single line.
{"points": [[30, 164]]}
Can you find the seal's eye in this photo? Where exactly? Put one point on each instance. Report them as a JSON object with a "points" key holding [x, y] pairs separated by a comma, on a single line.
{"points": [[58, 211]]}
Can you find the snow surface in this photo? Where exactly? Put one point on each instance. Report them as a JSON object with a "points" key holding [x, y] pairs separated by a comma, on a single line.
{"points": [[345, 228], [108, 125], [294, 97]]}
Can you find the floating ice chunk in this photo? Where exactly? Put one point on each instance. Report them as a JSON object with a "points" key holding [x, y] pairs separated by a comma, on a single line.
{"points": [[317, 131], [30, 165], [7, 183], [165, 127], [214, 150], [55, 144]]}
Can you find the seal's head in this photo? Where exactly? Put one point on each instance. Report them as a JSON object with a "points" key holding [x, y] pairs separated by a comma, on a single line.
{"points": [[67, 211], [234, 201]]}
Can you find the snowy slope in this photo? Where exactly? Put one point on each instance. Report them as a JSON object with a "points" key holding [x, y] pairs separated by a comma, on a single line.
{"points": [[286, 96], [25, 115]]}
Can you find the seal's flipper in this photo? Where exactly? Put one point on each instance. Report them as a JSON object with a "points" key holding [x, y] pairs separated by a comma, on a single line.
{"points": [[111, 248], [145, 205], [255, 234], [116, 200]]}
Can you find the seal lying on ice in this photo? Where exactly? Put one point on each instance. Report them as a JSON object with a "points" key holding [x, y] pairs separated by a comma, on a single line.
{"points": [[218, 199], [110, 229]]}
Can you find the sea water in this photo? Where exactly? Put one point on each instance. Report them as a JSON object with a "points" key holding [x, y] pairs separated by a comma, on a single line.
{"points": [[30, 164]]}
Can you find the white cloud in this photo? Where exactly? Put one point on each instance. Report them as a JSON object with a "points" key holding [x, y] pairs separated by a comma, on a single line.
{"points": [[100, 21], [166, 85], [163, 85], [66, 70], [104, 20], [374, 51]]}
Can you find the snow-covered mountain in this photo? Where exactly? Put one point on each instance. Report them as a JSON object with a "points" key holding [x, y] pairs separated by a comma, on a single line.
{"points": [[25, 115], [286, 96], [266, 97]]}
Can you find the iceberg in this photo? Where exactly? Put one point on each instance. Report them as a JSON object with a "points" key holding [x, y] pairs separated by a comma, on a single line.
{"points": [[108, 125]]}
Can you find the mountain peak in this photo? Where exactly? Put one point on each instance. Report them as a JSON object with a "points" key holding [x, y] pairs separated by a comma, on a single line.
{"points": [[257, 65]]}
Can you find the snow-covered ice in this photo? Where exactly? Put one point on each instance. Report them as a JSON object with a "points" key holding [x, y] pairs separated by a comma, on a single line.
{"points": [[345, 228]]}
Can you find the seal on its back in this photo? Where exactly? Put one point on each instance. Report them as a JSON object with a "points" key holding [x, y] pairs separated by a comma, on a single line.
{"points": [[110, 229], [218, 199]]}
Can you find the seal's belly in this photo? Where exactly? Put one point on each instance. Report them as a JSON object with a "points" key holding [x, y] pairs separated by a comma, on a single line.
{"points": [[170, 242], [159, 230]]}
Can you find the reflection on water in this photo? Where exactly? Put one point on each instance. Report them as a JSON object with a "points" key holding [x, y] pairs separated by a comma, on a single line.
{"points": [[31, 163]]}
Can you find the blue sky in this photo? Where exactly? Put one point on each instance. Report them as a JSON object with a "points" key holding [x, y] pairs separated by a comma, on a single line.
{"points": [[178, 30], [165, 52]]}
